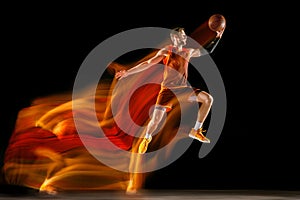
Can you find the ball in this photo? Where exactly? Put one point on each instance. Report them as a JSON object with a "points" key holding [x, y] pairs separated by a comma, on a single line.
{"points": [[216, 22]]}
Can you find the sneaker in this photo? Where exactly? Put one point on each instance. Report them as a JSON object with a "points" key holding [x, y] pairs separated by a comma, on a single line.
{"points": [[197, 134], [131, 188], [144, 145]]}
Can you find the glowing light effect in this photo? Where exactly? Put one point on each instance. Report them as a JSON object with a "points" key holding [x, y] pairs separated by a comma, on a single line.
{"points": [[45, 151]]}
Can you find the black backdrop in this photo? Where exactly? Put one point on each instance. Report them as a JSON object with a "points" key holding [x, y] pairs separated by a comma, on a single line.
{"points": [[44, 46]]}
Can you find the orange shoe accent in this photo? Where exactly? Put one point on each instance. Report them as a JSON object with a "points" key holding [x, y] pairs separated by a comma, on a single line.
{"points": [[198, 135], [144, 145]]}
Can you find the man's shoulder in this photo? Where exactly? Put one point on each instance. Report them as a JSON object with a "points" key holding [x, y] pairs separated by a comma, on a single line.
{"points": [[188, 49], [164, 50]]}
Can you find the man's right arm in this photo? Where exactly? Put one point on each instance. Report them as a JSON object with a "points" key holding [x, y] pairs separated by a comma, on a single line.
{"points": [[212, 45]]}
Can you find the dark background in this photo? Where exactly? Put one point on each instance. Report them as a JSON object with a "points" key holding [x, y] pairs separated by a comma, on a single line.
{"points": [[44, 45]]}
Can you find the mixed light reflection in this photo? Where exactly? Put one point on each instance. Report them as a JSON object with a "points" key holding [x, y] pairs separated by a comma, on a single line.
{"points": [[46, 153]]}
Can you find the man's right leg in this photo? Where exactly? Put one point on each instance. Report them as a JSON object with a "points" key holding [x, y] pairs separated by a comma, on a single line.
{"points": [[206, 101], [156, 118]]}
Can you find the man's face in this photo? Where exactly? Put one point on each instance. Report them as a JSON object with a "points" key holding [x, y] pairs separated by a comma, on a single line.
{"points": [[181, 38]]}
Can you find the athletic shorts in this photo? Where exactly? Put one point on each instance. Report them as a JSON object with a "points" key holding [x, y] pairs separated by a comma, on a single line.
{"points": [[168, 97]]}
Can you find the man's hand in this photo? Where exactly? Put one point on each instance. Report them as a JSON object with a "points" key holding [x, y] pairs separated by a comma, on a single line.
{"points": [[220, 33], [121, 74]]}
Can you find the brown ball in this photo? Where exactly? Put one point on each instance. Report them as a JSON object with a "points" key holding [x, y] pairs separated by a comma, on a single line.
{"points": [[217, 22]]}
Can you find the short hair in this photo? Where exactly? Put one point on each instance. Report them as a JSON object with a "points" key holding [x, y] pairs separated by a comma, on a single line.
{"points": [[176, 30]]}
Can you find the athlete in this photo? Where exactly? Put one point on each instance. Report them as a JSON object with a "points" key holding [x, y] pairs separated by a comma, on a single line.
{"points": [[175, 58]]}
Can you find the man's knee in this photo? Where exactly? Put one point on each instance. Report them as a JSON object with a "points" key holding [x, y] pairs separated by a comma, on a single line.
{"points": [[210, 99], [206, 98]]}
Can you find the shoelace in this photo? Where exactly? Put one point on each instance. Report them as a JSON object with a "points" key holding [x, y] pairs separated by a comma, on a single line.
{"points": [[201, 130]]}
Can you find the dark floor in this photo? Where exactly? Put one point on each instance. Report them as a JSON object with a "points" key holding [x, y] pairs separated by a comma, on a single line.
{"points": [[163, 194]]}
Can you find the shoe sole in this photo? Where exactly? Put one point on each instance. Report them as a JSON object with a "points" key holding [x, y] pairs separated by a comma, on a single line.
{"points": [[204, 141]]}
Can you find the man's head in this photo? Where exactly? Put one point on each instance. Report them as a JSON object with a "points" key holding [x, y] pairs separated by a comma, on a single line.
{"points": [[178, 36]]}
